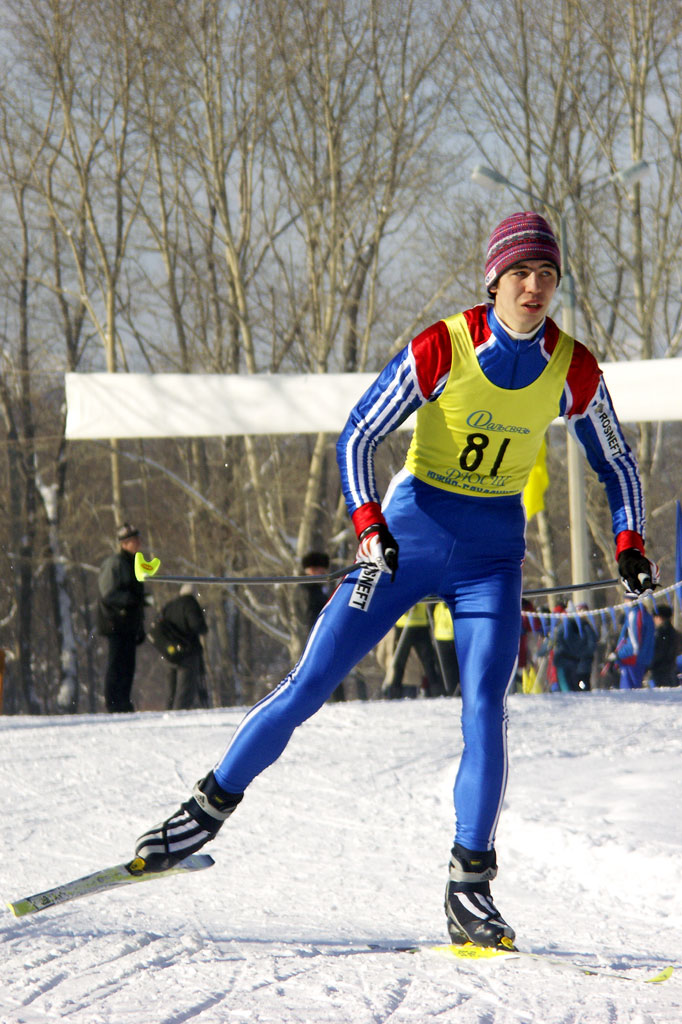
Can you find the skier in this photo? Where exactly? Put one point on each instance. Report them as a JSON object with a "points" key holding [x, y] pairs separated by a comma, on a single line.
{"points": [[485, 384]]}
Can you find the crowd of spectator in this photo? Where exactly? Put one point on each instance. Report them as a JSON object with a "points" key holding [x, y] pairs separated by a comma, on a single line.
{"points": [[578, 653], [563, 649]]}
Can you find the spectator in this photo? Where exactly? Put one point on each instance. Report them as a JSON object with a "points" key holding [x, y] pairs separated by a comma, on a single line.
{"points": [[311, 599], [572, 648], [444, 637], [412, 631], [663, 667], [608, 677], [635, 646], [566, 653], [575, 641], [542, 653], [120, 617], [548, 648], [525, 664], [587, 649], [184, 616]]}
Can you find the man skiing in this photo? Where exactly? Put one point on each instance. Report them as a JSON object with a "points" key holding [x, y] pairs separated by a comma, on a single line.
{"points": [[485, 384]]}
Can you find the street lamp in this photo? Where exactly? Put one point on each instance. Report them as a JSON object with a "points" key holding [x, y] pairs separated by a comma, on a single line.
{"points": [[488, 177]]}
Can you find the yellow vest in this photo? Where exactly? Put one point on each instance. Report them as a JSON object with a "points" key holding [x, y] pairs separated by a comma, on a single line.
{"points": [[417, 616], [443, 628], [477, 438]]}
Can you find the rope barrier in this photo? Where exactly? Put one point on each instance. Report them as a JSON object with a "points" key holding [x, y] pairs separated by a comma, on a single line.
{"points": [[549, 620]]}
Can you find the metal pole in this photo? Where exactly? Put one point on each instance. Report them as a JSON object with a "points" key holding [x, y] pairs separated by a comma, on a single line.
{"points": [[577, 507]]}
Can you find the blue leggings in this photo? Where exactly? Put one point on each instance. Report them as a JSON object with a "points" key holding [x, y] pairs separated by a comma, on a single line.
{"points": [[466, 551]]}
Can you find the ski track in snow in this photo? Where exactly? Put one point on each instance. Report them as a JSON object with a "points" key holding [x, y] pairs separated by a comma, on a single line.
{"points": [[342, 843]]}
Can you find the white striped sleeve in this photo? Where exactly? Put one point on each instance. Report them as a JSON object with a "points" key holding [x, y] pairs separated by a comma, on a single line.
{"points": [[389, 400]]}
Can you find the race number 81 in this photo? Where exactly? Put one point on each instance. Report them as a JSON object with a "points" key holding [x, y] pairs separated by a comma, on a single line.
{"points": [[471, 456]]}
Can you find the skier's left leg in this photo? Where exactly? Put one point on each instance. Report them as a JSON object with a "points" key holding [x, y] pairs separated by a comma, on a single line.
{"points": [[487, 630]]}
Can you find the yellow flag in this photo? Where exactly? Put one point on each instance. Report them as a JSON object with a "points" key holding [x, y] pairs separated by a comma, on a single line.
{"points": [[529, 680], [538, 481]]}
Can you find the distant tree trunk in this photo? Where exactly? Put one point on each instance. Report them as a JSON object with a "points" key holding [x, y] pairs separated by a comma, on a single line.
{"points": [[67, 692], [549, 577]]}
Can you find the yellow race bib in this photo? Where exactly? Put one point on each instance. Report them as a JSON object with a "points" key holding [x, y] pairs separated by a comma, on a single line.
{"points": [[477, 438]]}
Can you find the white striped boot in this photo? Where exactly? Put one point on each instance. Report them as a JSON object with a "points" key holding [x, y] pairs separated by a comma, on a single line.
{"points": [[195, 822], [471, 914]]}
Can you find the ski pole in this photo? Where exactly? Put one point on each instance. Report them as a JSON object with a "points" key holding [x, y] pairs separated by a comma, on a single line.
{"points": [[147, 570], [599, 585]]}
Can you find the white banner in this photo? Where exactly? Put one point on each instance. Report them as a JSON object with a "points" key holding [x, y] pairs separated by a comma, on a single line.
{"points": [[135, 405]]}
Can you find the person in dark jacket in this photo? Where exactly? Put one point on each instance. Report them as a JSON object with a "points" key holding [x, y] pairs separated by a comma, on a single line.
{"points": [[185, 679], [311, 599], [663, 668], [588, 647], [120, 617], [413, 633], [564, 650]]}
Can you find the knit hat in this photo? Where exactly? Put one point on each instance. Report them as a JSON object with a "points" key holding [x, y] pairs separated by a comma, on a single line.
{"points": [[523, 236], [315, 560], [126, 531]]}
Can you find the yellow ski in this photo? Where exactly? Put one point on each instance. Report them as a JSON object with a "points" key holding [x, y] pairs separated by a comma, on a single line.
{"points": [[107, 878], [468, 951]]}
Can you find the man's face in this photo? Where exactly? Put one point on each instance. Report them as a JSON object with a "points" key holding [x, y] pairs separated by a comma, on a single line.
{"points": [[523, 294], [315, 570], [132, 544]]}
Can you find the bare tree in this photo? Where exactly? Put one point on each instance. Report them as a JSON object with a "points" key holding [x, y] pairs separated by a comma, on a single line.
{"points": [[296, 145], [641, 45], [83, 53], [264, 187], [18, 159]]}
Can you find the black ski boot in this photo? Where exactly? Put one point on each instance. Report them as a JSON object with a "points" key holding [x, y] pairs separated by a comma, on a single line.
{"points": [[196, 822], [471, 914]]}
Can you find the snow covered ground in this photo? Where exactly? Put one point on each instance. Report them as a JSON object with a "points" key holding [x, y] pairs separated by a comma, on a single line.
{"points": [[344, 842]]}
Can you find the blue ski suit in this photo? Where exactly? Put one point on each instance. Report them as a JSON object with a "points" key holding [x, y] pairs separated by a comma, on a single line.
{"points": [[462, 541]]}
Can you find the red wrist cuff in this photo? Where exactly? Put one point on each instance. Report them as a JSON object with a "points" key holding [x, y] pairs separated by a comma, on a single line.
{"points": [[367, 515], [628, 539]]}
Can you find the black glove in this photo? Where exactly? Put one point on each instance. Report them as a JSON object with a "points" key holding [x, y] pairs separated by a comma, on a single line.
{"points": [[379, 547], [637, 572]]}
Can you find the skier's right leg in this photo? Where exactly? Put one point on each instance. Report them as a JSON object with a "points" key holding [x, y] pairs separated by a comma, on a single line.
{"points": [[358, 615]]}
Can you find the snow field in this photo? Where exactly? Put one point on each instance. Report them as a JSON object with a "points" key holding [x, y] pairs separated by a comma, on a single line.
{"points": [[344, 842]]}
